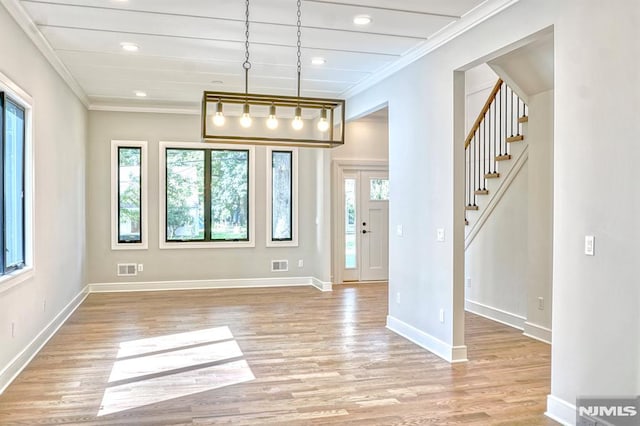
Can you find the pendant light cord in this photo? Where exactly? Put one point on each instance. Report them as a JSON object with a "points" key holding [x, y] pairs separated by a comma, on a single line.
{"points": [[247, 65], [299, 49]]}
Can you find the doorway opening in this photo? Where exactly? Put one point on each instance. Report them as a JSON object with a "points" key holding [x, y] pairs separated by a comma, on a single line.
{"points": [[360, 186]]}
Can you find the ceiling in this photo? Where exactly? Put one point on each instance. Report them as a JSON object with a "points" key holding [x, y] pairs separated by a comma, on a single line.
{"points": [[528, 69], [189, 46]]}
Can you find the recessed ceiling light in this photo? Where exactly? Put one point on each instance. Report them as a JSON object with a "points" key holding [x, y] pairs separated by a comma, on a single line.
{"points": [[318, 61], [129, 47], [140, 93], [362, 20], [217, 81]]}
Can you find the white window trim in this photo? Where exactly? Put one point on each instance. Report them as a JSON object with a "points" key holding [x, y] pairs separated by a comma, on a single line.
{"points": [[164, 244], [294, 195], [144, 218], [26, 101]]}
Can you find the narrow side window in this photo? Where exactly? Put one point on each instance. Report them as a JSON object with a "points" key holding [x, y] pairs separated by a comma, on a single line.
{"points": [[129, 227]]}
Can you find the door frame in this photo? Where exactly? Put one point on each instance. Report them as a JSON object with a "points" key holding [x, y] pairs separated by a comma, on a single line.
{"points": [[339, 167]]}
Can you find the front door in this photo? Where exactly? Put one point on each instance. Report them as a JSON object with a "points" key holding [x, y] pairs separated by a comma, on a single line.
{"points": [[366, 226]]}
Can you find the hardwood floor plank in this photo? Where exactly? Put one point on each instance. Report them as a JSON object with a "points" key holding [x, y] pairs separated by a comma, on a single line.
{"points": [[271, 356]]}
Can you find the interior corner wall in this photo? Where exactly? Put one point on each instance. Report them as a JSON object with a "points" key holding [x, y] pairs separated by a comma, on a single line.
{"points": [[59, 146], [170, 265]]}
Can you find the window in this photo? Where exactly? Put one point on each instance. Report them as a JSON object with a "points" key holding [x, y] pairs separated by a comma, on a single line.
{"points": [[16, 181], [379, 189], [129, 195], [350, 240], [208, 196], [282, 203], [12, 123]]}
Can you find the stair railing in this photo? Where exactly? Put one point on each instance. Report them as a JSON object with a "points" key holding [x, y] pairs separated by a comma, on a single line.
{"points": [[487, 143]]}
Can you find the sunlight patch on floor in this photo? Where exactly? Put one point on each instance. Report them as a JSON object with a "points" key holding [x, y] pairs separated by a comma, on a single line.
{"points": [[154, 368]]}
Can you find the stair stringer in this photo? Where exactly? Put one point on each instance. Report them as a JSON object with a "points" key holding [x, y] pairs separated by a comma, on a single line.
{"points": [[506, 181]]}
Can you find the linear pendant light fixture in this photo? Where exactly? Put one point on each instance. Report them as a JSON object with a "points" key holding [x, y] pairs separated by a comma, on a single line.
{"points": [[259, 119]]}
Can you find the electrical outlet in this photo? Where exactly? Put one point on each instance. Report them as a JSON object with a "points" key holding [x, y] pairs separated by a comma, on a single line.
{"points": [[442, 316], [44, 306], [13, 329], [398, 298], [589, 245], [440, 235], [468, 282], [541, 303], [140, 267], [300, 263]]}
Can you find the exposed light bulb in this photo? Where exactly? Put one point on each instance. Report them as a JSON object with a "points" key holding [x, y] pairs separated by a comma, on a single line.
{"points": [[245, 120], [272, 121], [218, 118], [297, 122], [323, 124]]}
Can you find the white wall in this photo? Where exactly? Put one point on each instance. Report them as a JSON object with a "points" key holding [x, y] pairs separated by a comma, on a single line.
{"points": [[366, 139], [478, 84], [596, 339], [59, 128], [496, 261], [540, 215], [197, 264]]}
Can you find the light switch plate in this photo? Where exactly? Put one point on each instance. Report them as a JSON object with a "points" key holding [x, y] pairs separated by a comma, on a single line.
{"points": [[399, 230], [589, 245], [440, 234]]}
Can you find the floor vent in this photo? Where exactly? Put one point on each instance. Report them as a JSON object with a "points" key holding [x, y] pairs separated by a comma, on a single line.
{"points": [[279, 265], [127, 269]]}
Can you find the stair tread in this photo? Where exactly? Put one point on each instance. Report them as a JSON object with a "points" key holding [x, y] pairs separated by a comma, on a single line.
{"points": [[516, 138], [471, 208], [523, 119], [503, 157], [492, 175], [482, 192]]}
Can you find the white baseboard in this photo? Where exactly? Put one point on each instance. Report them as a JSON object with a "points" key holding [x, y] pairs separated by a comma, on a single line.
{"points": [[495, 314], [444, 350], [20, 361], [209, 284], [560, 411], [537, 332], [321, 285]]}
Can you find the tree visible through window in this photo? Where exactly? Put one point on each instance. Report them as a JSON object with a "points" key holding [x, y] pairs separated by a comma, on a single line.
{"points": [[129, 194], [207, 194], [281, 191]]}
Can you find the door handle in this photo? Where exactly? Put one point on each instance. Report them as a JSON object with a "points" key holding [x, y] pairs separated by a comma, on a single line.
{"points": [[364, 231]]}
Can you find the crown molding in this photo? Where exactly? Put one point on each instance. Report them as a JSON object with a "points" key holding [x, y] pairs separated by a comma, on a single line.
{"points": [[22, 18], [144, 109], [468, 21]]}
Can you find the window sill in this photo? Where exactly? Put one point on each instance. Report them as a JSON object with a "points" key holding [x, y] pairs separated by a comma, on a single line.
{"points": [[130, 246], [14, 278], [293, 243], [206, 245]]}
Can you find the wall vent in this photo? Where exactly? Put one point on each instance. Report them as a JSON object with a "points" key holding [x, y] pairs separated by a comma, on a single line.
{"points": [[279, 265], [127, 269]]}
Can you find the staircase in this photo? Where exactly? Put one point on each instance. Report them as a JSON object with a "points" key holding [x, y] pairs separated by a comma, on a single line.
{"points": [[495, 149]]}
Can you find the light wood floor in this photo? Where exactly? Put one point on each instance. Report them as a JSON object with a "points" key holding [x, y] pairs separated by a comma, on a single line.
{"points": [[270, 356]]}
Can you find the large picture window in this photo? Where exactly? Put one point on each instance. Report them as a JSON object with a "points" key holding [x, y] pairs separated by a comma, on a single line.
{"points": [[12, 122], [282, 203], [129, 195], [207, 196]]}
